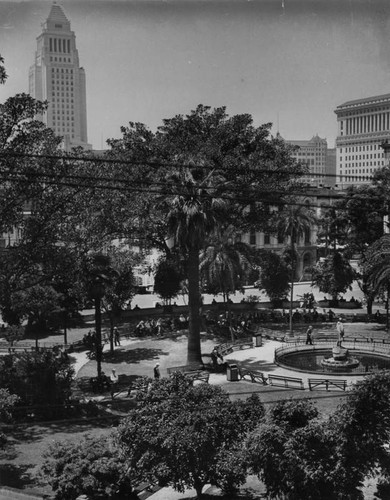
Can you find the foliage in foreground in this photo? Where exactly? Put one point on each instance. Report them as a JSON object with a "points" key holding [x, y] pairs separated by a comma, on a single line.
{"points": [[42, 379], [7, 403], [187, 436], [298, 456], [91, 467]]}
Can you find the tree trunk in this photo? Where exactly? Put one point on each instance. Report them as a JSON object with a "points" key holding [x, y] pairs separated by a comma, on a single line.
{"points": [[370, 301], [111, 318], [198, 488], [291, 300], [98, 328], [66, 327], [194, 354], [292, 281]]}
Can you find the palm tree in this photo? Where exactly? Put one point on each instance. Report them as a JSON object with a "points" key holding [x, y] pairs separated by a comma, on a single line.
{"points": [[225, 263], [194, 214], [294, 221], [377, 264]]}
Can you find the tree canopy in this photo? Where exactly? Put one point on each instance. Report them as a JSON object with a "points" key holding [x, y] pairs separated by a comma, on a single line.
{"points": [[195, 173], [187, 436]]}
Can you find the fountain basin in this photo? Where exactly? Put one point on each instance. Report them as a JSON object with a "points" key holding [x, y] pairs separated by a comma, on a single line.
{"points": [[320, 360]]}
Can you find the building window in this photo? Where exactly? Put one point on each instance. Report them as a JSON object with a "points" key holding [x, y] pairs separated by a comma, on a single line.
{"points": [[252, 238], [307, 236], [267, 239]]}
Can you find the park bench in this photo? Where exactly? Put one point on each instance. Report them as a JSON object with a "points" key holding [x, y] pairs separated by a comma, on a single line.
{"points": [[327, 384], [229, 347], [21, 347], [190, 373], [184, 368], [197, 375], [288, 382], [253, 376]]}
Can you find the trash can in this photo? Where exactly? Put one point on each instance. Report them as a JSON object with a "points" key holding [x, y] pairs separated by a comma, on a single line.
{"points": [[257, 340], [232, 373]]}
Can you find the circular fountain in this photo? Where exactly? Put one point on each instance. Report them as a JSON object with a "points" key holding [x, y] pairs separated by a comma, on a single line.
{"points": [[326, 357], [340, 360]]}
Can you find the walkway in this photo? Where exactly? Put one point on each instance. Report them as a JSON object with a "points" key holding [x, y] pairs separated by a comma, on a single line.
{"points": [[138, 357]]}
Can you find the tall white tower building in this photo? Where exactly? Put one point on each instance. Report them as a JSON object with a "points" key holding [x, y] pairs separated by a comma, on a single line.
{"points": [[56, 77], [363, 125]]}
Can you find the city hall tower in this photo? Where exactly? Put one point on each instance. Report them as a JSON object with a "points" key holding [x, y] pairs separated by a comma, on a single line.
{"points": [[56, 77]]}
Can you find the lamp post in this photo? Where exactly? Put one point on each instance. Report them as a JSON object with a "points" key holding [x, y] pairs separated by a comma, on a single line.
{"points": [[97, 293]]}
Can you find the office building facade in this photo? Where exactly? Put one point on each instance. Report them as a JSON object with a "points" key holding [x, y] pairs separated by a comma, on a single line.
{"points": [[57, 77], [312, 153], [363, 125]]}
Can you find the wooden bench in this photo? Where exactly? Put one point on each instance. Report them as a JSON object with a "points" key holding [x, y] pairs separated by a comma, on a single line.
{"points": [[185, 368], [288, 382], [254, 376], [229, 347], [198, 375], [189, 372], [17, 347], [327, 384]]}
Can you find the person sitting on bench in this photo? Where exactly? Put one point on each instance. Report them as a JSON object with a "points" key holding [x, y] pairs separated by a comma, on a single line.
{"points": [[217, 360]]}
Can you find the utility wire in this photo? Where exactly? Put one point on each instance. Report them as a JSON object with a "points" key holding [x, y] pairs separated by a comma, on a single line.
{"points": [[181, 165], [177, 192]]}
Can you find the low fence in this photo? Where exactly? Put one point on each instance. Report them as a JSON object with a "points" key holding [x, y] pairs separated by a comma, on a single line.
{"points": [[355, 344]]}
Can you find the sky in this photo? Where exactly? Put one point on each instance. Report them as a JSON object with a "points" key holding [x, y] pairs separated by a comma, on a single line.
{"points": [[289, 62]]}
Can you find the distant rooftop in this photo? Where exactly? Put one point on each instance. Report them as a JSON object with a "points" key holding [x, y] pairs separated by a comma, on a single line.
{"points": [[310, 142], [365, 100]]}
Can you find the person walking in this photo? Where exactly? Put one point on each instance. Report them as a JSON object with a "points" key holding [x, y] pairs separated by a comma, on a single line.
{"points": [[309, 338], [340, 330], [156, 371], [113, 382], [117, 338]]}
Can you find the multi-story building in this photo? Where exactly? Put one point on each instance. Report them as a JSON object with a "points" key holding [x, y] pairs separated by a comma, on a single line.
{"points": [[330, 168], [308, 248], [363, 125], [57, 77], [313, 153]]}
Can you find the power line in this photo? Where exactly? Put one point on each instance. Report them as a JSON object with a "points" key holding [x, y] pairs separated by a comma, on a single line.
{"points": [[149, 163], [180, 192]]}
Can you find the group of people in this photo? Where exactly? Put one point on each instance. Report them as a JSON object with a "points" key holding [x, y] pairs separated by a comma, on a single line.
{"points": [[152, 326], [89, 339], [339, 328]]}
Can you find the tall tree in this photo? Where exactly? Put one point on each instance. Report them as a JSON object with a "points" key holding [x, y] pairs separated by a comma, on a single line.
{"points": [[195, 173], [377, 268], [3, 74], [354, 223], [225, 263], [98, 275], [120, 287], [292, 223]]}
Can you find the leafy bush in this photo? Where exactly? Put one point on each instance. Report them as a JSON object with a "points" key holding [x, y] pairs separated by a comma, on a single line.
{"points": [[40, 379], [188, 436], [91, 466]]}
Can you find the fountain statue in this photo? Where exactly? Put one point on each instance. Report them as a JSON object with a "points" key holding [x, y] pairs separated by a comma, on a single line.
{"points": [[340, 359]]}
